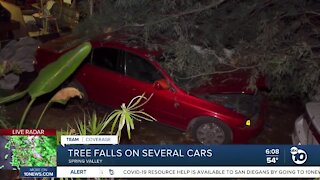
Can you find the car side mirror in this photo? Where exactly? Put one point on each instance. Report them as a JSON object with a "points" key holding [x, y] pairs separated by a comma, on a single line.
{"points": [[161, 84]]}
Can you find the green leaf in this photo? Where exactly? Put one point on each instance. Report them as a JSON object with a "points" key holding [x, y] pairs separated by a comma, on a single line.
{"points": [[111, 117], [137, 100], [115, 122], [122, 122], [52, 76], [129, 120], [128, 130], [59, 134], [81, 126], [57, 72], [141, 104], [13, 97], [93, 123], [147, 118]]}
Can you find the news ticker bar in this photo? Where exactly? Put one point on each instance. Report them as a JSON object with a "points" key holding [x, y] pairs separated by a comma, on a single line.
{"points": [[188, 155], [189, 172]]}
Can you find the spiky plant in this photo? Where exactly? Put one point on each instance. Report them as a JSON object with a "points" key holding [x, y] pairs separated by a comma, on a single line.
{"points": [[91, 125], [127, 114]]}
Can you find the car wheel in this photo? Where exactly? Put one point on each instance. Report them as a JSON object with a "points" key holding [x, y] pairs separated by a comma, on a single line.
{"points": [[209, 130], [78, 86]]}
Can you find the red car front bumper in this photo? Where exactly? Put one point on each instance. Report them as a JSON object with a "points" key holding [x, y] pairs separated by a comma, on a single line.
{"points": [[243, 134]]}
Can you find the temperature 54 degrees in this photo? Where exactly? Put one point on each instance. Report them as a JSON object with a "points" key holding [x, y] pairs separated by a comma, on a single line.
{"points": [[272, 160]]}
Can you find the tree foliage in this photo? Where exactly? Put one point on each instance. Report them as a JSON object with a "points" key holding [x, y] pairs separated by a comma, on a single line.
{"points": [[279, 38]]}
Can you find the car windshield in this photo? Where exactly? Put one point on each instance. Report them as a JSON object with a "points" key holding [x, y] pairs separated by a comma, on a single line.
{"points": [[184, 83]]}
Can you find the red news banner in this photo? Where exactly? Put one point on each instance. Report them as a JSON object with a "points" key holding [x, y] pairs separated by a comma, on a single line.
{"points": [[27, 132]]}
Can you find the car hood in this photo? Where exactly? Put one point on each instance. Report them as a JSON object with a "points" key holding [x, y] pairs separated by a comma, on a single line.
{"points": [[235, 82], [230, 90], [313, 110]]}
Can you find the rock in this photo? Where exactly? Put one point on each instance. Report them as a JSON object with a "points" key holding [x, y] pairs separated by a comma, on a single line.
{"points": [[20, 54], [9, 81]]}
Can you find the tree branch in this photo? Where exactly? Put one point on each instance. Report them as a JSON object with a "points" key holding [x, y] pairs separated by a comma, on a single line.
{"points": [[214, 3], [313, 12], [219, 72]]}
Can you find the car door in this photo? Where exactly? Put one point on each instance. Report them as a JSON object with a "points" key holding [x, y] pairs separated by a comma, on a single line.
{"points": [[101, 76], [140, 76]]}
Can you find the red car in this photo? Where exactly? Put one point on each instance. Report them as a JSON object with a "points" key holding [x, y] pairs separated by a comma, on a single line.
{"points": [[223, 112]]}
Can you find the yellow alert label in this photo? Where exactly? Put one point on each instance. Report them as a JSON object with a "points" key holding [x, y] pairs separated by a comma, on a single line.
{"points": [[248, 122]]}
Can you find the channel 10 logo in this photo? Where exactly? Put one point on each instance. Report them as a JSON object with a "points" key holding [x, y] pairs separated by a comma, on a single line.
{"points": [[298, 156]]}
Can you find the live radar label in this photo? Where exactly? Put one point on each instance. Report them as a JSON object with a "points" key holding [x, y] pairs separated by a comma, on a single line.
{"points": [[27, 132]]}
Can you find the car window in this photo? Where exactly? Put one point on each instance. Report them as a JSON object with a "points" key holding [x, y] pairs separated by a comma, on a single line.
{"points": [[140, 69], [106, 58]]}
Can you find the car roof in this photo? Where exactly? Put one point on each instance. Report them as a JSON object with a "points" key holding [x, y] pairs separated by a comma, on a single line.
{"points": [[61, 44], [65, 43]]}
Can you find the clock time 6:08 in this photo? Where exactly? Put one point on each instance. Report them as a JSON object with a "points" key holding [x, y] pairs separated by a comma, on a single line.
{"points": [[272, 151]]}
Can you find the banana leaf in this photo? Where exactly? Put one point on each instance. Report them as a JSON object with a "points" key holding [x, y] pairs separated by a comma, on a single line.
{"points": [[52, 76], [57, 72]]}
